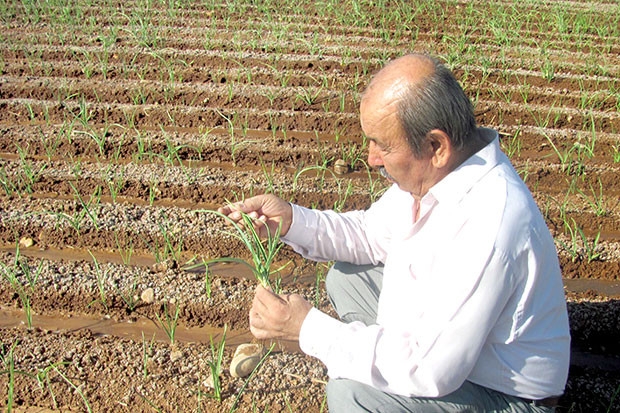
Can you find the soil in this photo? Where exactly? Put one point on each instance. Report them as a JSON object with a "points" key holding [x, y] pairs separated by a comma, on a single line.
{"points": [[122, 124]]}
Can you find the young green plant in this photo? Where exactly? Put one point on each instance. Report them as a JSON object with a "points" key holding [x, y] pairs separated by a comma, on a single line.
{"points": [[102, 278], [216, 363], [263, 252], [24, 290], [147, 351], [77, 389], [7, 361], [44, 380], [90, 208], [580, 247], [169, 321], [128, 295]]}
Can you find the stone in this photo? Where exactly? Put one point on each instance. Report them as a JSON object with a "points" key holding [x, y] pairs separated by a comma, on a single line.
{"points": [[26, 242], [148, 296], [209, 382], [163, 266], [246, 358], [341, 167], [176, 355]]}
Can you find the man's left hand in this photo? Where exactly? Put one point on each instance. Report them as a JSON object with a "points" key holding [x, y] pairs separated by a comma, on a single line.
{"points": [[277, 316]]}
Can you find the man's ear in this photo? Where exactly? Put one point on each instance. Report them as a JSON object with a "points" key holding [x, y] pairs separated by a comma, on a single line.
{"points": [[441, 147]]}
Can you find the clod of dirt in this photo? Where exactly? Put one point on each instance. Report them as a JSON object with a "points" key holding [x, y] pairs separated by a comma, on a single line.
{"points": [[164, 266], [176, 355]]}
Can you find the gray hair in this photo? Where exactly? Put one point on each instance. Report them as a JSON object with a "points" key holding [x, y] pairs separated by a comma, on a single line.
{"points": [[437, 102]]}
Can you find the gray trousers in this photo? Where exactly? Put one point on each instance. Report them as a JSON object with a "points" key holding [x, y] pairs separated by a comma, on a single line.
{"points": [[354, 293]]}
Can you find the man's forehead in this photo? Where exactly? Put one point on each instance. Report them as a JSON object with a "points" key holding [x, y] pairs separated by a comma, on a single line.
{"points": [[387, 89]]}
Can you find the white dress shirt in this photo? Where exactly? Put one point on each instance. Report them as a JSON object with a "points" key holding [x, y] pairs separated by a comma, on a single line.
{"points": [[472, 290]]}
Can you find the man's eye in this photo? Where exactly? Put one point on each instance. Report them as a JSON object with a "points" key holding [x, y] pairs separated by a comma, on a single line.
{"points": [[381, 146]]}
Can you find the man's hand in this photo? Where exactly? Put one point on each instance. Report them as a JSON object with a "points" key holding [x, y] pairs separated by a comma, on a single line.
{"points": [[277, 316], [266, 210]]}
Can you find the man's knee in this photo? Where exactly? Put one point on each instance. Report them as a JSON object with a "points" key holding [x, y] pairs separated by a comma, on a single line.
{"points": [[334, 281], [341, 395], [350, 396], [342, 274], [354, 291]]}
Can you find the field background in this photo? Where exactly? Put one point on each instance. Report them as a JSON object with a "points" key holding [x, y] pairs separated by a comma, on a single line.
{"points": [[123, 123]]}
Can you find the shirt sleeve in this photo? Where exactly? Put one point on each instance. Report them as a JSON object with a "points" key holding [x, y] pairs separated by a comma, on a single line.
{"points": [[313, 235], [358, 237]]}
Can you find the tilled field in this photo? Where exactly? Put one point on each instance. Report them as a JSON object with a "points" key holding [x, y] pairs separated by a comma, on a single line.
{"points": [[123, 123]]}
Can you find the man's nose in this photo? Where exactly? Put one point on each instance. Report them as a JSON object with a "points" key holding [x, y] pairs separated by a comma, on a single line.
{"points": [[374, 155]]}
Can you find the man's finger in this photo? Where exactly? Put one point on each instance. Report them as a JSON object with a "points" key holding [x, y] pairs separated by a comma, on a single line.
{"points": [[267, 297], [259, 306], [258, 326], [255, 319], [258, 333]]}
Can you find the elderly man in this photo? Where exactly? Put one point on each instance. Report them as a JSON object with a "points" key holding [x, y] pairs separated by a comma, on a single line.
{"points": [[448, 288]]}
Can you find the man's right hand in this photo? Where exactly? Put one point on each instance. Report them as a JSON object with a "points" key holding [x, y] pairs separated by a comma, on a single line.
{"points": [[264, 210]]}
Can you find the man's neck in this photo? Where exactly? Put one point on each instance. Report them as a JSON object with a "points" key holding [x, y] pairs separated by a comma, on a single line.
{"points": [[478, 142]]}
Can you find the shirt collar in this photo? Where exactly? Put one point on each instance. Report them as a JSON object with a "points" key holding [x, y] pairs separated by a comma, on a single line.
{"points": [[458, 182]]}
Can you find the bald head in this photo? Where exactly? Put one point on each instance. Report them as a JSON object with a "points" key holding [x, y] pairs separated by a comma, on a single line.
{"points": [[394, 79], [423, 95]]}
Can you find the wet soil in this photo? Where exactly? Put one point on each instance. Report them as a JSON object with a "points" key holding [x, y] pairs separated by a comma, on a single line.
{"points": [[121, 125]]}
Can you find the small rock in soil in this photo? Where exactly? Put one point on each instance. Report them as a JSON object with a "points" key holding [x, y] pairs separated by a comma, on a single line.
{"points": [[341, 167], [246, 358], [26, 242], [148, 296], [208, 382]]}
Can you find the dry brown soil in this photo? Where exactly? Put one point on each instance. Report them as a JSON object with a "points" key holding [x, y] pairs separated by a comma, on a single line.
{"points": [[120, 124]]}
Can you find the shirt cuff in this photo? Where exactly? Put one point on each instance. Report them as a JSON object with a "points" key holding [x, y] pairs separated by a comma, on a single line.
{"points": [[315, 333], [347, 350], [302, 226]]}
